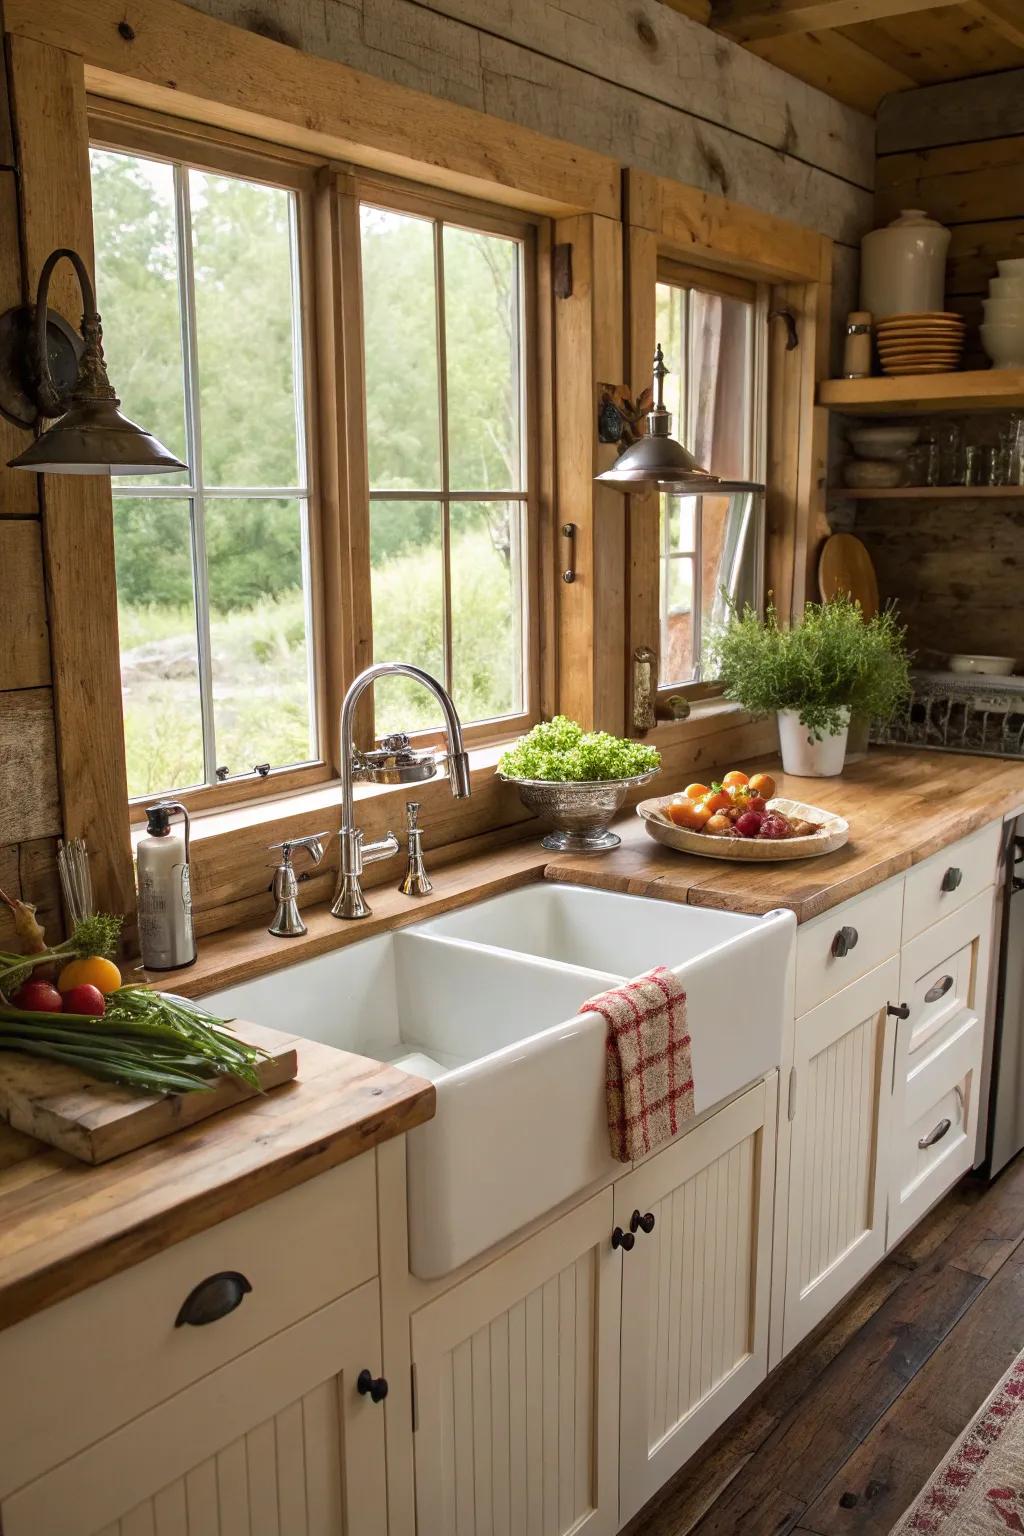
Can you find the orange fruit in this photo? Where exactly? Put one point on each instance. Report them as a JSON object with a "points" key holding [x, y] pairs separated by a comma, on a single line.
{"points": [[696, 791], [735, 779], [762, 784], [687, 813], [91, 972], [719, 800]]}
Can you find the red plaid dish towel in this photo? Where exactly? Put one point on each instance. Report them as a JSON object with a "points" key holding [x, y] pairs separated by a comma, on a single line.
{"points": [[648, 1066]]}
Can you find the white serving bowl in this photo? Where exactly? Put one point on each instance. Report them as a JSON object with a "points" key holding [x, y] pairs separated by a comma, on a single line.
{"points": [[1004, 311], [881, 442], [873, 474], [1011, 266], [1004, 344], [984, 666], [1007, 287]]}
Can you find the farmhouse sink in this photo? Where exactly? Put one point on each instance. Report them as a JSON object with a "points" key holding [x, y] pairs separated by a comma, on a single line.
{"points": [[485, 1002]]}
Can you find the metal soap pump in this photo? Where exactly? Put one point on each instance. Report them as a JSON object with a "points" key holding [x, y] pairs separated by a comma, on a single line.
{"points": [[166, 936]]}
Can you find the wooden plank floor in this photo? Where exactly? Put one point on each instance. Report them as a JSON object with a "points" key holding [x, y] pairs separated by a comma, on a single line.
{"points": [[845, 1432]]}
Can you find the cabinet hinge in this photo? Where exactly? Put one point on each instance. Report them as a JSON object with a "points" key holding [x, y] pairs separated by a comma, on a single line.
{"points": [[791, 1109], [414, 1397]]}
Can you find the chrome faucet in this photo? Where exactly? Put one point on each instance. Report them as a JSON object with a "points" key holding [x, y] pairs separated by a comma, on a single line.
{"points": [[287, 923], [349, 901]]}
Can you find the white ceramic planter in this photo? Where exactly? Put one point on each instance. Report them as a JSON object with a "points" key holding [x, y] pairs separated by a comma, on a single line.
{"points": [[805, 757]]}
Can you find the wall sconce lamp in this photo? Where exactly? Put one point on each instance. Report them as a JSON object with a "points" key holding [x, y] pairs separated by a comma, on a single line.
{"points": [[46, 370], [659, 459]]}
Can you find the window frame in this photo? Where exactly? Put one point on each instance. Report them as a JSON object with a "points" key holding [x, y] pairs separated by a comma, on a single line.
{"points": [[757, 292], [401, 196], [331, 329]]}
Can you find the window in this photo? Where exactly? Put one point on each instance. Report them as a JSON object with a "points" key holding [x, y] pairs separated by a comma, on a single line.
{"points": [[444, 302], [198, 283], [711, 330]]}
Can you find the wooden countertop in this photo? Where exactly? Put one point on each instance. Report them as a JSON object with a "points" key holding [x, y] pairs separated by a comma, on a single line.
{"points": [[66, 1225]]}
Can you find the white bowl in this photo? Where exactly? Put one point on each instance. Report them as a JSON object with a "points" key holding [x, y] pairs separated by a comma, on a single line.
{"points": [[1011, 266], [985, 666], [873, 474], [881, 442], [1004, 344], [1004, 311], [1007, 287]]}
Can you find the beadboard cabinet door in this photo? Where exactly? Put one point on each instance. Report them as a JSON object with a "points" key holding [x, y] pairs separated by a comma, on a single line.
{"points": [[516, 1372], [840, 1105], [695, 1288], [277, 1443]]}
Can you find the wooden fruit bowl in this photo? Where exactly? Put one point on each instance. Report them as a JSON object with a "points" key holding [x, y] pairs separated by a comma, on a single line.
{"points": [[748, 850]]}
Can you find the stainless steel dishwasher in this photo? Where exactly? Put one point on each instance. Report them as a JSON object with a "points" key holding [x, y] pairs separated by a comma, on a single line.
{"points": [[1006, 1104]]}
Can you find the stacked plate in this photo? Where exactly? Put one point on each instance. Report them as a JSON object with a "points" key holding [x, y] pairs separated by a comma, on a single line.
{"points": [[929, 343]]}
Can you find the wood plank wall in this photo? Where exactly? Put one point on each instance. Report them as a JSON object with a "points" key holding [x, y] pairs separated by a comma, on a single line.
{"points": [[30, 810], [957, 151]]}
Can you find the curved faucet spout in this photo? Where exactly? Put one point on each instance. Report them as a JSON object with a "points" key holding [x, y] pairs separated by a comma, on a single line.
{"points": [[349, 900]]}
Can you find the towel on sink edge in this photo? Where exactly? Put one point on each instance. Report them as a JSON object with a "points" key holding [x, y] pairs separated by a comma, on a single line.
{"points": [[648, 1062]]}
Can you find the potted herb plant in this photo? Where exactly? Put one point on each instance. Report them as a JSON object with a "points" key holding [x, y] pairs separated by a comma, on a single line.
{"points": [[813, 676]]}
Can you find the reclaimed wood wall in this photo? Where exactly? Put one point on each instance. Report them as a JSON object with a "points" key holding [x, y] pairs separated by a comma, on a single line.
{"points": [[30, 807], [957, 151], [641, 83]]}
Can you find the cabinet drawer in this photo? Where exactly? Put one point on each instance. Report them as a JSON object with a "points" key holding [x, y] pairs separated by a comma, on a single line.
{"points": [[867, 928], [950, 879], [91, 1363], [934, 1123], [945, 970]]}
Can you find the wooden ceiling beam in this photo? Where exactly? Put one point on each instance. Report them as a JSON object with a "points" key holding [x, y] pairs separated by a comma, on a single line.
{"points": [[1004, 16], [754, 20]]}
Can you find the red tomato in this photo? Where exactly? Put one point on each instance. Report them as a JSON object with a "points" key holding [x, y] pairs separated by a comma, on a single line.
{"points": [[38, 997], [85, 998], [749, 824], [756, 803]]}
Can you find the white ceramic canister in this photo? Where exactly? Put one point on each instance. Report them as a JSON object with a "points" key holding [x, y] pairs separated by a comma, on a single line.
{"points": [[903, 266]]}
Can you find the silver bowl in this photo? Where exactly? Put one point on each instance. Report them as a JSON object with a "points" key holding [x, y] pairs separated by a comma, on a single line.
{"points": [[580, 812]]}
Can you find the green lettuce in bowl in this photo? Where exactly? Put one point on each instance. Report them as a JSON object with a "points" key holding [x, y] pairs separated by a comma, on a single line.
{"points": [[577, 780]]}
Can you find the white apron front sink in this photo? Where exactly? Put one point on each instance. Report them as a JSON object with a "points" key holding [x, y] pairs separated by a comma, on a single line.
{"points": [[520, 1123]]}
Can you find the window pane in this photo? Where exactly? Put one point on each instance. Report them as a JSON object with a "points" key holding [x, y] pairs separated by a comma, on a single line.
{"points": [[730, 553], [400, 341], [137, 292], [670, 315], [260, 640], [241, 251], [482, 319], [677, 658], [680, 511], [718, 427], [407, 586], [487, 608], [159, 654]]}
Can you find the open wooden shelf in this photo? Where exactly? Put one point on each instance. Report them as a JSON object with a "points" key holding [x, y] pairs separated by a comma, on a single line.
{"points": [[988, 389], [928, 493]]}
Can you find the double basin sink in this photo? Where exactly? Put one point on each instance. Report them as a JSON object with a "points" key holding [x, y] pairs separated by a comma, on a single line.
{"points": [[485, 1001]]}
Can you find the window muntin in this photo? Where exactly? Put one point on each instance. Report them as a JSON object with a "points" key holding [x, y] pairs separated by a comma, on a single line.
{"points": [[198, 282], [710, 337], [444, 348]]}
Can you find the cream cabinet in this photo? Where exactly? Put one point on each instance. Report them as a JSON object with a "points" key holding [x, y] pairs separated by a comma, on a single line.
{"points": [[695, 1288], [279, 1441], [516, 1388], [839, 1105]]}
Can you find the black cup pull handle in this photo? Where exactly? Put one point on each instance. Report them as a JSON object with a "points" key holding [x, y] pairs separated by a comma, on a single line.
{"points": [[373, 1387], [212, 1299], [938, 989], [952, 878], [845, 940], [623, 1240], [638, 1223]]}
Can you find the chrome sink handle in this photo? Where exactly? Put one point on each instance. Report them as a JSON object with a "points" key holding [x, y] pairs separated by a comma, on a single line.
{"points": [[349, 901], [287, 923]]}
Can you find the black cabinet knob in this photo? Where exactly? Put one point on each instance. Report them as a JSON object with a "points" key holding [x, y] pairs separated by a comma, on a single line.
{"points": [[845, 940], [898, 1010], [373, 1387], [213, 1298], [638, 1223], [623, 1240], [952, 878]]}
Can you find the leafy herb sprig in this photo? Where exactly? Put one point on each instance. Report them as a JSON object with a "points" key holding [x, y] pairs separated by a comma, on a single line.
{"points": [[96, 935]]}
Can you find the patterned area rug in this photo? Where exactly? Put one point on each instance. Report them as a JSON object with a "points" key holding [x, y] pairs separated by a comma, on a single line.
{"points": [[979, 1488]]}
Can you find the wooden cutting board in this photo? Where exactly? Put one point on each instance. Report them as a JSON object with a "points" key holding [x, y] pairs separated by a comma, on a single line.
{"points": [[96, 1121], [845, 567]]}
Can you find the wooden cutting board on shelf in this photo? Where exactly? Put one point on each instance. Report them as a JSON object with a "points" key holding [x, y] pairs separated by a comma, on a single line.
{"points": [[96, 1121], [845, 568]]}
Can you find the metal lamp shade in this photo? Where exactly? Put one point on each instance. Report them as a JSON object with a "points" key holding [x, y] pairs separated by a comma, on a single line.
{"points": [[94, 438]]}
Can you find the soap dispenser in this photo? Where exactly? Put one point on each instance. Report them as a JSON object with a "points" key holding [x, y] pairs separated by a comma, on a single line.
{"points": [[166, 936]]}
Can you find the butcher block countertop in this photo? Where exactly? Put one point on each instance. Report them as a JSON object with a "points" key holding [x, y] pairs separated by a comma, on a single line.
{"points": [[64, 1225]]}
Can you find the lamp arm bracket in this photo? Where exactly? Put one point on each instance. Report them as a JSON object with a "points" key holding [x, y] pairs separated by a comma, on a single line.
{"points": [[52, 400]]}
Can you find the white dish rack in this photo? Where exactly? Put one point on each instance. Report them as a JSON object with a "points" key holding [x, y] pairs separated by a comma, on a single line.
{"points": [[953, 712]]}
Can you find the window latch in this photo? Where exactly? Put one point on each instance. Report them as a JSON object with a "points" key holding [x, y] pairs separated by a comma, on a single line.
{"points": [[263, 769], [785, 314]]}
